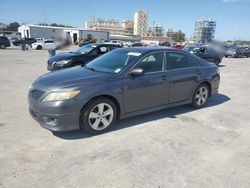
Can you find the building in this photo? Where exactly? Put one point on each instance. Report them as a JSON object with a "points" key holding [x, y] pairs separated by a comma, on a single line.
{"points": [[155, 31], [204, 30], [110, 25], [51, 32], [141, 23], [169, 32], [128, 26]]}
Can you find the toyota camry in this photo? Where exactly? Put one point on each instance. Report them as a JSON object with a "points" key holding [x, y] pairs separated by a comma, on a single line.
{"points": [[122, 83]]}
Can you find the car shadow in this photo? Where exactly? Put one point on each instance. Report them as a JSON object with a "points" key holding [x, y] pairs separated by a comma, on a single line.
{"points": [[133, 121], [221, 65]]}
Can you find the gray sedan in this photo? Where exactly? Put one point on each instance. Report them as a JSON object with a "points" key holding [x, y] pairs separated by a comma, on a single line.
{"points": [[122, 83]]}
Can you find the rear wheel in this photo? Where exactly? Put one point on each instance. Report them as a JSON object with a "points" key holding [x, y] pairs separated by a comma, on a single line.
{"points": [[98, 116], [2, 46], [200, 96], [39, 47]]}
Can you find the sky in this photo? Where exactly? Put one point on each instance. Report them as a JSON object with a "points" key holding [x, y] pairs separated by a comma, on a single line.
{"points": [[232, 16]]}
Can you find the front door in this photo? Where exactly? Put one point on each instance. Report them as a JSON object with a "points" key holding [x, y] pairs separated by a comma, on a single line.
{"points": [[149, 90]]}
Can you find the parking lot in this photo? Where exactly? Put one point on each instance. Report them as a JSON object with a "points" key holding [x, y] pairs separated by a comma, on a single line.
{"points": [[178, 147]]}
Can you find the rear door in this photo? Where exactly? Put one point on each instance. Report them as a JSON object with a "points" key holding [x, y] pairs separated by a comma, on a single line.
{"points": [[183, 76]]}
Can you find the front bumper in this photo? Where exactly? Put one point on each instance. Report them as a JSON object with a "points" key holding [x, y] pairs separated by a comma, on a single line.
{"points": [[66, 113]]}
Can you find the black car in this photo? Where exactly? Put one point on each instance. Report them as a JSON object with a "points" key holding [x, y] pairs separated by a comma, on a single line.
{"points": [[80, 56], [84, 43], [246, 51], [28, 41], [122, 83], [137, 44], [4, 42], [165, 44], [205, 52]]}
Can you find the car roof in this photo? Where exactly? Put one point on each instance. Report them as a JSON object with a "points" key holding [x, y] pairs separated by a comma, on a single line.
{"points": [[106, 44], [149, 49]]}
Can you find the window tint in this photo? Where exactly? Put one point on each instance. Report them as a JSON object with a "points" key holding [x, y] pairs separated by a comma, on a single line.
{"points": [[152, 63], [176, 61], [193, 63]]}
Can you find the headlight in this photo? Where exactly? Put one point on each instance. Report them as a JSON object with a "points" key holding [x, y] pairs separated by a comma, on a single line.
{"points": [[61, 63], [60, 95]]}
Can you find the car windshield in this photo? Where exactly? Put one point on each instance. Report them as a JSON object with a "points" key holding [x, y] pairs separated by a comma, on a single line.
{"points": [[112, 62], [85, 49]]}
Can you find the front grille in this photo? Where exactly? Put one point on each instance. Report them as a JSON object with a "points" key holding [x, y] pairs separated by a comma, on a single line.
{"points": [[36, 94]]}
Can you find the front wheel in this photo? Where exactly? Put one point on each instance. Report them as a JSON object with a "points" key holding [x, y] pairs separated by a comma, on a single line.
{"points": [[200, 96], [98, 116]]}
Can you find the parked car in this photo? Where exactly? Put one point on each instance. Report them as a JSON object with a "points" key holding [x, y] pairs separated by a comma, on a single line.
{"points": [[246, 51], [122, 83], [165, 44], [4, 42], [178, 46], [237, 52], [28, 41], [46, 44], [205, 52], [80, 56], [84, 43], [232, 51], [137, 44]]}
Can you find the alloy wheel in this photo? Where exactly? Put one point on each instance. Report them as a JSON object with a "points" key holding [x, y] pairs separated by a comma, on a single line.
{"points": [[101, 116], [201, 95]]}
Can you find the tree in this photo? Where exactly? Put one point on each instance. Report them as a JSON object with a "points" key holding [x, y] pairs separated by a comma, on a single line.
{"points": [[13, 26], [178, 36]]}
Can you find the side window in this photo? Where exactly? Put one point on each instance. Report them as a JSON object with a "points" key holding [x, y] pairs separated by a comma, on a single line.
{"points": [[48, 41], [176, 60], [152, 63], [193, 63]]}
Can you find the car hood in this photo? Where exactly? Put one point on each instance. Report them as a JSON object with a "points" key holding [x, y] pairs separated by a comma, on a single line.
{"points": [[63, 56], [69, 78]]}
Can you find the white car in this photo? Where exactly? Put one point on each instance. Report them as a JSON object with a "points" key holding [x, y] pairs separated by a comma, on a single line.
{"points": [[116, 42], [46, 44]]}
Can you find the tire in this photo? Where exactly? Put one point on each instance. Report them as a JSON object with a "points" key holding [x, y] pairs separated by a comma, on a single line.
{"points": [[98, 123], [217, 61], [39, 47], [2, 46], [199, 99]]}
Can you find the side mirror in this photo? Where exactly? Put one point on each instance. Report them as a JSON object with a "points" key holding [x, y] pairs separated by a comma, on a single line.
{"points": [[136, 72]]}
